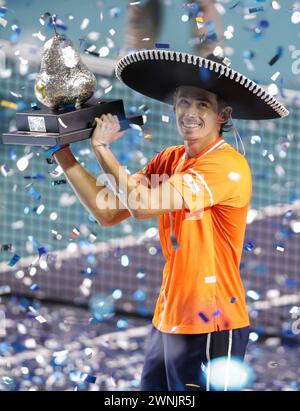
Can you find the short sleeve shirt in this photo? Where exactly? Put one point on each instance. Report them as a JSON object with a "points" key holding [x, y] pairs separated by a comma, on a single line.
{"points": [[201, 289]]}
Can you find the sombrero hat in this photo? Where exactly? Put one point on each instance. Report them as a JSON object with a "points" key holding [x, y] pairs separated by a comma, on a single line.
{"points": [[157, 74]]}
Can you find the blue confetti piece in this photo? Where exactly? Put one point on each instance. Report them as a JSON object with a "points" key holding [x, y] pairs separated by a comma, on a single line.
{"points": [[52, 149], [3, 11], [90, 378], [42, 250], [203, 317], [139, 295], [18, 346], [264, 24], [277, 56], [58, 182], [236, 4], [14, 260], [291, 282], [217, 313], [162, 45], [255, 9], [261, 269], [248, 54], [34, 194], [34, 287], [34, 106], [248, 247], [233, 300], [37, 176], [24, 304]]}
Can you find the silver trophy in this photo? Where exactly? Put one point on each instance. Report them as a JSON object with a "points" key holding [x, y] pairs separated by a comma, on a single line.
{"points": [[64, 86]]}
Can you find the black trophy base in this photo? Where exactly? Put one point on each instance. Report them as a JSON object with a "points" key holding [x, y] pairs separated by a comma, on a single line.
{"points": [[66, 125], [31, 138]]}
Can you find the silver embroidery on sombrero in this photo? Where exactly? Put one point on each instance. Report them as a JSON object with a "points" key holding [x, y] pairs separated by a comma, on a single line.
{"points": [[202, 62]]}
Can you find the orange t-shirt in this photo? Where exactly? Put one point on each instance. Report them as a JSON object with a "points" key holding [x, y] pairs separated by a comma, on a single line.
{"points": [[201, 289]]}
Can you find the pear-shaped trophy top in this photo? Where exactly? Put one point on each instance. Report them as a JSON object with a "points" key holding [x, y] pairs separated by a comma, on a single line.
{"points": [[64, 78]]}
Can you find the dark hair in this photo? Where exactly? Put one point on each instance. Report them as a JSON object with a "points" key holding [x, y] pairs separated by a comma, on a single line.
{"points": [[225, 127]]}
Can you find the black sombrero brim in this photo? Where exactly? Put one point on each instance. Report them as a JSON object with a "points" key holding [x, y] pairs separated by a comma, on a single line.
{"points": [[157, 74]]}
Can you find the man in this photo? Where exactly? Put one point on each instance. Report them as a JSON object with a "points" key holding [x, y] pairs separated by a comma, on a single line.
{"points": [[201, 206]]}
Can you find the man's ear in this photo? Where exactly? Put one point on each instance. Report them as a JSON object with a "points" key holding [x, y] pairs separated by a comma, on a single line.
{"points": [[224, 114]]}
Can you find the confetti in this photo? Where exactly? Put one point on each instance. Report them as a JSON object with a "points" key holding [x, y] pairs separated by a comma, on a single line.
{"points": [[14, 260], [34, 106], [6, 171], [203, 317], [200, 22], [44, 18], [233, 300], [34, 194], [42, 250], [276, 57], [253, 294], [34, 287], [6, 247], [295, 18], [58, 182], [89, 378], [255, 9], [216, 313], [236, 4], [75, 232], [174, 242], [210, 280], [115, 12], [275, 76], [39, 35], [248, 247], [84, 24], [8, 104], [5, 289], [40, 319], [3, 22], [62, 123], [162, 45]]}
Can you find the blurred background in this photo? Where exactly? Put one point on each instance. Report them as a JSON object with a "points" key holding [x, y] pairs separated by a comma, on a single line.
{"points": [[76, 298]]}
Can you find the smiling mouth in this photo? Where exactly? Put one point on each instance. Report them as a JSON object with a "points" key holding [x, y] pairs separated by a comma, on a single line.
{"points": [[191, 125]]}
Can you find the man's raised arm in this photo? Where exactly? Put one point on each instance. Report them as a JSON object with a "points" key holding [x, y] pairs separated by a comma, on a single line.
{"points": [[88, 190]]}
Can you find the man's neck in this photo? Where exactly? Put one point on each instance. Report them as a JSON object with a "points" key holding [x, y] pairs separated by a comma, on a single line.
{"points": [[192, 148]]}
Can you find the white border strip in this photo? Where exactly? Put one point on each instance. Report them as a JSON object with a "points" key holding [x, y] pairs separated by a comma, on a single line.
{"points": [[228, 361]]}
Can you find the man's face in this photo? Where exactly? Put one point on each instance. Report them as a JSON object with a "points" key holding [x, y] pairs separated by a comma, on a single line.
{"points": [[196, 113]]}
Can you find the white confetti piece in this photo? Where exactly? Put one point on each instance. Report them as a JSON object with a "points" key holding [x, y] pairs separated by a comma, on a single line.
{"points": [[62, 123], [85, 22], [210, 280], [233, 176]]}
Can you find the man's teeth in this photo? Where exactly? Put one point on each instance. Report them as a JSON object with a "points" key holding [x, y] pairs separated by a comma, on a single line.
{"points": [[191, 125]]}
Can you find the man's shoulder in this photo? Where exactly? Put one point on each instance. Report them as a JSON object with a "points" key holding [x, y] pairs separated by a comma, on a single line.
{"points": [[228, 156]]}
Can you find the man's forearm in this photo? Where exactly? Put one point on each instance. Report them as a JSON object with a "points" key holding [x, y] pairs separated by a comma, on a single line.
{"points": [[122, 182], [86, 187]]}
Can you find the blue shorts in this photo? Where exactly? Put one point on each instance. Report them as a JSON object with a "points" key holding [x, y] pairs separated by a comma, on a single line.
{"points": [[174, 360]]}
